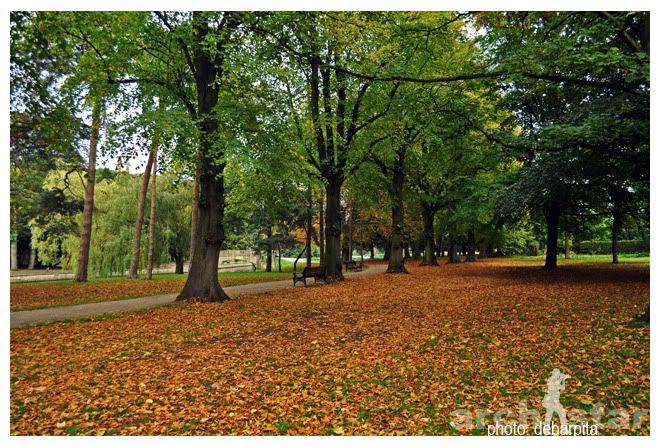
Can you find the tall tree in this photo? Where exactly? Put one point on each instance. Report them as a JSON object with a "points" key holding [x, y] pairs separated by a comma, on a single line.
{"points": [[142, 196], [88, 210]]}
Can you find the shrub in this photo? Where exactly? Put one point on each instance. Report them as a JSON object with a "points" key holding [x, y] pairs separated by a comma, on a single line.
{"points": [[605, 247]]}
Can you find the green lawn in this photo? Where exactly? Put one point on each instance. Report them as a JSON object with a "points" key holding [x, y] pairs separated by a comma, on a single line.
{"points": [[24, 296], [623, 258]]}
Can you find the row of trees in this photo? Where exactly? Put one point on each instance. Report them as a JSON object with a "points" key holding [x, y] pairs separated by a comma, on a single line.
{"points": [[476, 127]]}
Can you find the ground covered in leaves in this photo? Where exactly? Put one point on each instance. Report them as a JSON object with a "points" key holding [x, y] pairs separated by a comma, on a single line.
{"points": [[387, 354], [64, 293]]}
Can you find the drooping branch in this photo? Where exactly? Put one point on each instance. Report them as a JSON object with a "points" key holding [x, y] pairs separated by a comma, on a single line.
{"points": [[494, 75]]}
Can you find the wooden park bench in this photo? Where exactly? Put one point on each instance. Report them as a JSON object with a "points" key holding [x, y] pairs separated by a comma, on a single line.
{"points": [[354, 266], [309, 272]]}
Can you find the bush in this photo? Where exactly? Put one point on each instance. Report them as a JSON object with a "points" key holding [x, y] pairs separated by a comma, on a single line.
{"points": [[605, 247]]}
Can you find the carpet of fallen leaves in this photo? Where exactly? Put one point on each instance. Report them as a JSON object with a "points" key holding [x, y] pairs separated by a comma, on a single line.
{"points": [[37, 295], [387, 354]]}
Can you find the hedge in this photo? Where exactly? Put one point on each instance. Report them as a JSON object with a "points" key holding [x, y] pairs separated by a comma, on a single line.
{"points": [[605, 247]]}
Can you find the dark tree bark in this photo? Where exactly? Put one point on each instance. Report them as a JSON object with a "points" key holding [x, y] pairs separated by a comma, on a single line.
{"points": [[194, 215], [178, 265], [552, 210], [396, 262], [279, 259], [321, 233], [482, 250], [333, 231], [388, 249], [428, 213], [269, 253], [88, 207], [471, 246], [350, 231], [152, 219], [371, 251], [617, 220], [310, 228], [137, 231], [207, 66], [345, 243], [440, 251], [452, 253]]}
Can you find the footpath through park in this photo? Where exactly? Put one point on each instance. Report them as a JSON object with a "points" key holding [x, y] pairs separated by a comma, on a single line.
{"points": [[91, 310]]}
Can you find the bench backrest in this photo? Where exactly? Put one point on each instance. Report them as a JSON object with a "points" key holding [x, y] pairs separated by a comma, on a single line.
{"points": [[313, 271]]}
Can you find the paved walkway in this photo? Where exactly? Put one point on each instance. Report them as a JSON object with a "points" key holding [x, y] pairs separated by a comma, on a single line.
{"points": [[62, 313]]}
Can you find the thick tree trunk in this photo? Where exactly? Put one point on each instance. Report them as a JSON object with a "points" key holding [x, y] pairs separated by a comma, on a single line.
{"points": [[428, 213], [396, 262], [452, 253], [152, 219], [388, 249], [371, 252], [202, 279], [194, 215], [333, 231], [567, 246], [321, 233], [137, 230], [471, 247], [552, 212], [88, 208], [617, 220]]}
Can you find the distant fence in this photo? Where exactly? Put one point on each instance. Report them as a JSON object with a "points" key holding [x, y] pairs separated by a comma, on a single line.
{"points": [[605, 247]]}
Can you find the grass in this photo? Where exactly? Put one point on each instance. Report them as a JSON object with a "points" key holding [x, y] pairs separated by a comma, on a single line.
{"points": [[624, 258], [39, 295]]}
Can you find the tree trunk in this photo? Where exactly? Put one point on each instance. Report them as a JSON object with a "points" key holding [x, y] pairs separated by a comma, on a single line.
{"points": [[388, 249], [279, 259], [202, 279], [14, 255], [88, 208], [617, 220], [471, 246], [152, 219], [33, 258], [269, 254], [440, 251], [345, 256], [310, 228], [482, 250], [178, 266], [428, 213], [333, 230], [567, 246], [137, 230], [452, 253], [396, 262], [350, 232], [321, 234], [371, 252], [194, 215], [552, 212]]}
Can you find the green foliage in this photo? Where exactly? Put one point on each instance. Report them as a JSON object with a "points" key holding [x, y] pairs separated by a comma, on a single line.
{"points": [[605, 247]]}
